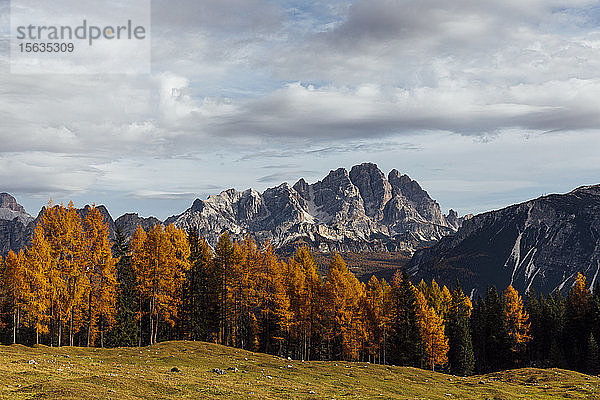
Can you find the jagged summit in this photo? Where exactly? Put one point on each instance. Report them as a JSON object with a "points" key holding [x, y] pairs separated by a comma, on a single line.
{"points": [[356, 210], [10, 209]]}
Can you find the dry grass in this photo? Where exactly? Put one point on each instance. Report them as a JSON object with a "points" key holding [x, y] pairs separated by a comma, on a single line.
{"points": [[145, 373]]}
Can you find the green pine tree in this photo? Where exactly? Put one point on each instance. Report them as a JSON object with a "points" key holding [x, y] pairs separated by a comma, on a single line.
{"points": [[224, 261], [201, 292], [592, 356], [460, 355], [404, 341]]}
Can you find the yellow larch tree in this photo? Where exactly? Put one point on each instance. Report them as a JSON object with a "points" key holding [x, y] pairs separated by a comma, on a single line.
{"points": [[100, 276], [432, 331], [14, 287], [38, 271], [246, 297], [160, 260], [140, 260], [273, 301], [344, 300], [64, 232], [304, 287], [516, 319]]}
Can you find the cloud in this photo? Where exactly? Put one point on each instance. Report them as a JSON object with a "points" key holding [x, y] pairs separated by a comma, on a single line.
{"points": [[286, 176], [238, 84], [158, 195]]}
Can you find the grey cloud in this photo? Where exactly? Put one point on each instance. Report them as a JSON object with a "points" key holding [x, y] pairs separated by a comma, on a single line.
{"points": [[232, 85], [238, 17], [158, 195], [284, 176]]}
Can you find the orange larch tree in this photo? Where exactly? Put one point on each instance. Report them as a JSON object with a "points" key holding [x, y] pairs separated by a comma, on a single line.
{"points": [[101, 276], [14, 287], [273, 302], [160, 259], [515, 318], [64, 232], [304, 287], [344, 300], [377, 310], [39, 269], [432, 331]]}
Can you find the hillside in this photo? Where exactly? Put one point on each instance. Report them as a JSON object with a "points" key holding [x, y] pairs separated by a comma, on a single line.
{"points": [[540, 244], [145, 373]]}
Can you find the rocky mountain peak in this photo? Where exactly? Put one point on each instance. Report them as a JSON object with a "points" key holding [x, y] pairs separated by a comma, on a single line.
{"points": [[404, 185], [374, 188], [10, 209], [9, 202], [452, 218], [302, 188], [129, 222]]}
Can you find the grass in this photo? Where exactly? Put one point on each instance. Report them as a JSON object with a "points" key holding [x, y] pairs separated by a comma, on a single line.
{"points": [[145, 373]]}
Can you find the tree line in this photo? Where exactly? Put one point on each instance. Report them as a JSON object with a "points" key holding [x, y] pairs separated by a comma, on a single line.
{"points": [[71, 285]]}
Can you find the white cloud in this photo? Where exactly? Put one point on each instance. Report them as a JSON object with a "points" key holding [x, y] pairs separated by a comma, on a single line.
{"points": [[237, 83]]}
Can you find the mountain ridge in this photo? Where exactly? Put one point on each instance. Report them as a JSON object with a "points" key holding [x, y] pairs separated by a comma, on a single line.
{"points": [[352, 210], [356, 210], [537, 245]]}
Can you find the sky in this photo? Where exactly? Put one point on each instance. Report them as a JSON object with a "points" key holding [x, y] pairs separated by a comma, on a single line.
{"points": [[484, 103]]}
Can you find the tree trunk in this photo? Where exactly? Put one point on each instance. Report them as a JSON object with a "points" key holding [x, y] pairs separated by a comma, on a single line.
{"points": [[156, 329], [15, 326], [140, 321], [89, 318], [152, 322], [71, 328], [59, 330]]}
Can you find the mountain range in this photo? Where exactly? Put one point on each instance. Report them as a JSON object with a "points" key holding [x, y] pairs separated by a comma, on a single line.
{"points": [[537, 245], [359, 210], [356, 210]]}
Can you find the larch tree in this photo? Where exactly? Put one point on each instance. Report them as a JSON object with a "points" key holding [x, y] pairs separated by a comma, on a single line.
{"points": [[39, 294], [100, 274], [160, 260], [344, 300], [64, 232], [578, 322], [432, 330], [273, 302], [14, 288], [516, 319], [140, 260], [304, 288]]}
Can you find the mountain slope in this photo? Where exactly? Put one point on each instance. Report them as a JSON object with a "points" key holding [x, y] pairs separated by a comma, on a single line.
{"points": [[540, 244], [360, 210]]}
